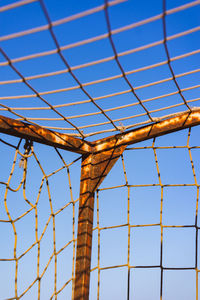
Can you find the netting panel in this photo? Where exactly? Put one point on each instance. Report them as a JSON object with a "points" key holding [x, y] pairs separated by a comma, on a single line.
{"points": [[38, 214], [101, 61], [146, 243]]}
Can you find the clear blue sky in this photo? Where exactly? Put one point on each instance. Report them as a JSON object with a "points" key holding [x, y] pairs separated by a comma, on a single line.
{"points": [[179, 202]]}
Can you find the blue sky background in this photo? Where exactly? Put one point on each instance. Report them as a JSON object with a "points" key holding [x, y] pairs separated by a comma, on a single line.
{"points": [[87, 27], [179, 202]]}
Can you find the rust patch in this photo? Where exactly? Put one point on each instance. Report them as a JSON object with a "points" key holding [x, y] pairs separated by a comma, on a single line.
{"points": [[182, 121], [44, 136]]}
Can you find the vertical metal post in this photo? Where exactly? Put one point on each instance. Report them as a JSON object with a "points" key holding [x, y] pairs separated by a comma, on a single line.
{"points": [[94, 169], [84, 237]]}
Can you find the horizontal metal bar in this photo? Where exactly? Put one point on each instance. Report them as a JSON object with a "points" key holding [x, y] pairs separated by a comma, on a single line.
{"points": [[178, 122], [67, 142], [43, 136]]}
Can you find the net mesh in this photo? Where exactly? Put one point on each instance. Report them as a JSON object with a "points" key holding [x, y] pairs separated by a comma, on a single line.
{"points": [[34, 241], [146, 243], [145, 222], [88, 71], [162, 80]]}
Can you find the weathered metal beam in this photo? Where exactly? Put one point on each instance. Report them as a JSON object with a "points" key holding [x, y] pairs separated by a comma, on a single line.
{"points": [[43, 136], [94, 169], [179, 122], [64, 141]]}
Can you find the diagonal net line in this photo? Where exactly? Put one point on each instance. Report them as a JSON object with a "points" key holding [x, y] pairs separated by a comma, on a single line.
{"points": [[33, 207], [68, 66], [54, 23], [118, 62], [168, 55], [16, 4], [37, 94]]}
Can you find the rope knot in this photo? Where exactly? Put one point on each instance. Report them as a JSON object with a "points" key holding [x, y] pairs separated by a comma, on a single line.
{"points": [[28, 148]]}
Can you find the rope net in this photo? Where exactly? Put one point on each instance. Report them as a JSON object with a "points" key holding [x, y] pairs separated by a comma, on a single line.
{"points": [[37, 252], [90, 70], [56, 64], [145, 233], [146, 224]]}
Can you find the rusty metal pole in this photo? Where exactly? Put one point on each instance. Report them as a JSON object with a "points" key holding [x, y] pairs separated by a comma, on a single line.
{"points": [[44, 136], [41, 135], [84, 237], [94, 169]]}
